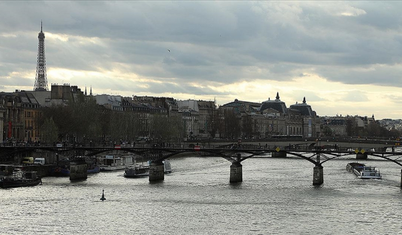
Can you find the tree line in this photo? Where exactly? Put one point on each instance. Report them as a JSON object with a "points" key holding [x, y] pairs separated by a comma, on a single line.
{"points": [[84, 121]]}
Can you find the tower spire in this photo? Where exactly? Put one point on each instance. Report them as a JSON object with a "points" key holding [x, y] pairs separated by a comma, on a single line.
{"points": [[41, 78]]}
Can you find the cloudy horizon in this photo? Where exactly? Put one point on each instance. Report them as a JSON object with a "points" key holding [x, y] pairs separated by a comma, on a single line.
{"points": [[343, 57]]}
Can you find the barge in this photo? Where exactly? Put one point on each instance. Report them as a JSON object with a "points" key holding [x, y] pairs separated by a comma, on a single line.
{"points": [[362, 171], [20, 178]]}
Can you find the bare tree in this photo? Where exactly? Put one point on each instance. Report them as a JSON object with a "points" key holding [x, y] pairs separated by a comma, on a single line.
{"points": [[48, 131]]}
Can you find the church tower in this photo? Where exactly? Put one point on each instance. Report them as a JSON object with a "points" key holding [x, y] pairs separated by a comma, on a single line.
{"points": [[41, 78]]}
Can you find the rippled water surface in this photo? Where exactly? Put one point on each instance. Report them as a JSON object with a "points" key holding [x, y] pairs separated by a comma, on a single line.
{"points": [[275, 197]]}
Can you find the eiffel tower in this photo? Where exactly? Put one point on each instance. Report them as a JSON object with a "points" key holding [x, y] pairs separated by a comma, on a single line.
{"points": [[41, 78]]}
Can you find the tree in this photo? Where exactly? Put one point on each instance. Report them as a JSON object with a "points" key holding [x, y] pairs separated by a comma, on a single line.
{"points": [[231, 124], [351, 127], [247, 126], [79, 120], [393, 133], [373, 129], [124, 125], [165, 129], [49, 131], [85, 117], [213, 122], [327, 131]]}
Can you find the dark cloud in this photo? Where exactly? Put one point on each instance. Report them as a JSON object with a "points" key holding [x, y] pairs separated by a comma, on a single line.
{"points": [[384, 16], [177, 44]]}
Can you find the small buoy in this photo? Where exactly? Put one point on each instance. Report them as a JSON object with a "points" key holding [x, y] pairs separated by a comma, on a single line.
{"points": [[103, 196]]}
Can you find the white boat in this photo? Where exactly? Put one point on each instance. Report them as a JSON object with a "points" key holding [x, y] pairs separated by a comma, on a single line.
{"points": [[136, 171], [141, 170], [168, 167], [116, 162], [362, 171]]}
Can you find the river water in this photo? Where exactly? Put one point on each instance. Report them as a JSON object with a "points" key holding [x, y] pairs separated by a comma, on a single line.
{"points": [[275, 197]]}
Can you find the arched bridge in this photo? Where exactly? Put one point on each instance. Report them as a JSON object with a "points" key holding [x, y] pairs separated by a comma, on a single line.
{"points": [[234, 153]]}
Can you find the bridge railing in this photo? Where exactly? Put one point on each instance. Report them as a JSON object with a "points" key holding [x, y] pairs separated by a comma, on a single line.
{"points": [[246, 146]]}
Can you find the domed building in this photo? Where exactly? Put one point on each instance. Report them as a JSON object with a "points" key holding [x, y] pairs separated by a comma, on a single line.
{"points": [[272, 119], [276, 104], [309, 124], [303, 108], [240, 106], [277, 121]]}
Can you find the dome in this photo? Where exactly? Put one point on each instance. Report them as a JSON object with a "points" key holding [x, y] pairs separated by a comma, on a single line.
{"points": [[276, 104], [303, 108]]}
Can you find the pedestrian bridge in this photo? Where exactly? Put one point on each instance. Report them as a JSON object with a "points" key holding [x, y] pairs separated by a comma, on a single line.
{"points": [[313, 152], [316, 156]]}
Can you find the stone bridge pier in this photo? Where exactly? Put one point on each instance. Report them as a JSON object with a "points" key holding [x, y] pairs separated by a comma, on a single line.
{"points": [[318, 175], [401, 178], [156, 171], [361, 156], [236, 172]]}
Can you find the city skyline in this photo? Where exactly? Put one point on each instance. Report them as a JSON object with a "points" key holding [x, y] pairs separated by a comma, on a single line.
{"points": [[344, 57]]}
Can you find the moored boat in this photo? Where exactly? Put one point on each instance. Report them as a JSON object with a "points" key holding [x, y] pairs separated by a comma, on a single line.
{"points": [[168, 167], [20, 178], [93, 169], [362, 171], [61, 169], [136, 171], [115, 162], [142, 170], [64, 172]]}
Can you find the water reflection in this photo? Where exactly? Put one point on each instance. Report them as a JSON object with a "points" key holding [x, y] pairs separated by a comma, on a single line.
{"points": [[275, 197]]}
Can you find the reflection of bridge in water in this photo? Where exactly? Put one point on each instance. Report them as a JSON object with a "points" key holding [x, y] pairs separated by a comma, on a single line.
{"points": [[311, 151]]}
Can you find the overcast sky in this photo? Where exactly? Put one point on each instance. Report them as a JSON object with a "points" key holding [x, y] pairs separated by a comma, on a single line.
{"points": [[344, 57]]}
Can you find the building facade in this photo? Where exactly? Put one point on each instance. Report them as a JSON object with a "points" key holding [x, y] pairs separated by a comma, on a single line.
{"points": [[273, 119], [21, 112]]}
